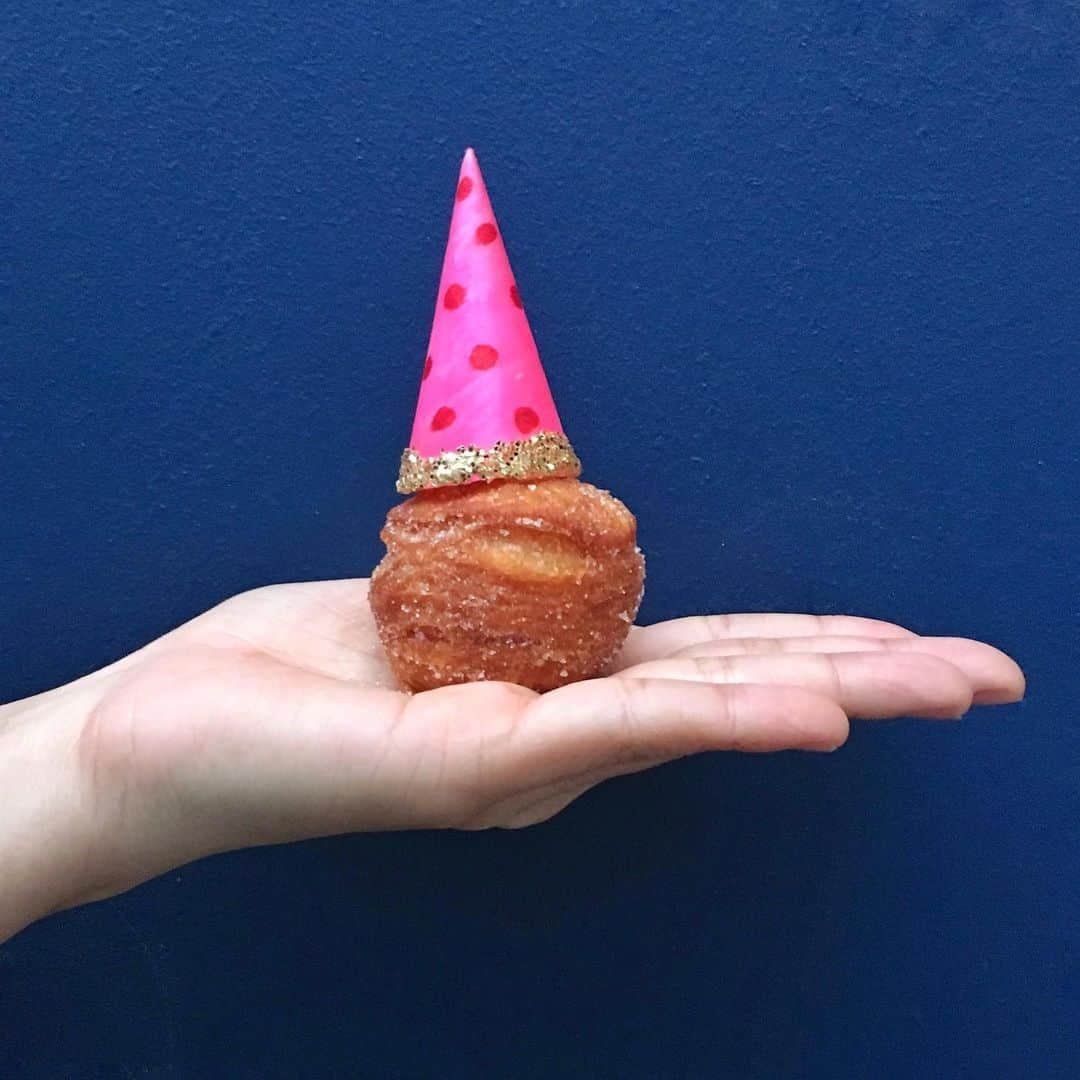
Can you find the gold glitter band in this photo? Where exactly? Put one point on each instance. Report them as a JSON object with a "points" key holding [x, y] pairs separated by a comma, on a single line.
{"points": [[538, 457]]}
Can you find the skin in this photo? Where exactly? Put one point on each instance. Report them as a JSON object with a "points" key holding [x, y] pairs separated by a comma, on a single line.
{"points": [[273, 717]]}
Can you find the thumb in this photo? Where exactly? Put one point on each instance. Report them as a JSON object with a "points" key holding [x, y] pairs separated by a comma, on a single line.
{"points": [[580, 735]]}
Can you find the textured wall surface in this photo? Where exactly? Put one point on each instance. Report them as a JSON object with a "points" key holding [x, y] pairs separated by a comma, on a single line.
{"points": [[804, 276]]}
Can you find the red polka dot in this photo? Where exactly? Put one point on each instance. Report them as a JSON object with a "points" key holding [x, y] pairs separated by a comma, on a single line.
{"points": [[454, 297], [427, 367], [515, 297], [443, 418], [464, 187], [483, 357], [486, 233], [526, 419]]}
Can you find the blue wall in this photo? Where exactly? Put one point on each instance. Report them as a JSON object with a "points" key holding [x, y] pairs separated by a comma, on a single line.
{"points": [[814, 265]]}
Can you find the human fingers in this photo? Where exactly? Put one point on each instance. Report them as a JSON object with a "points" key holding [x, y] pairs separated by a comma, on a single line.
{"points": [[666, 638], [995, 677], [869, 685]]}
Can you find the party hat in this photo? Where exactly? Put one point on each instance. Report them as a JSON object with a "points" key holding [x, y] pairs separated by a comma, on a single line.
{"points": [[485, 411]]}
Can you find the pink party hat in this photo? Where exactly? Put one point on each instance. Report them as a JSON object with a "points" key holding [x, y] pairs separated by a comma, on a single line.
{"points": [[485, 411]]}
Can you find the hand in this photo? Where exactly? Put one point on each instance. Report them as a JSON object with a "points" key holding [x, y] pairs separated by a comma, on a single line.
{"points": [[273, 717]]}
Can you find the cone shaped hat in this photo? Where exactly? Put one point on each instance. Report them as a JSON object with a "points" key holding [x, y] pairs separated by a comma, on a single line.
{"points": [[485, 411]]}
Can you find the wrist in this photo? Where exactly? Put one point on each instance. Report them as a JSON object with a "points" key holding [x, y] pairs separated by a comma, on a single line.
{"points": [[49, 831]]}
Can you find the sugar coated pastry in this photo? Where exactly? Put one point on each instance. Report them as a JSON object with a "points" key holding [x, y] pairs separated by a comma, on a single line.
{"points": [[502, 565], [534, 583]]}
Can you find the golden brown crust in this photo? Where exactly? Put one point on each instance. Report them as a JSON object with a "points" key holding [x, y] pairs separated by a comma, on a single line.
{"points": [[533, 583]]}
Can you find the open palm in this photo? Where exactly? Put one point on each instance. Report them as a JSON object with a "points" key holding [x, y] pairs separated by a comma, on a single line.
{"points": [[274, 717]]}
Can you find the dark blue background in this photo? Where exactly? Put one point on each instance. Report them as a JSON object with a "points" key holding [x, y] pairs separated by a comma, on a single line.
{"points": [[805, 279]]}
